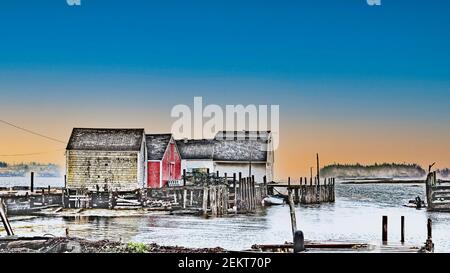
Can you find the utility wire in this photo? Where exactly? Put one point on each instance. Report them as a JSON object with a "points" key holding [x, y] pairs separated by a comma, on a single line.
{"points": [[32, 132], [37, 153]]}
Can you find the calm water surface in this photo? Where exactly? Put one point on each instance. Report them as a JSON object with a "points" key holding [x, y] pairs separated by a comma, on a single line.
{"points": [[355, 216]]}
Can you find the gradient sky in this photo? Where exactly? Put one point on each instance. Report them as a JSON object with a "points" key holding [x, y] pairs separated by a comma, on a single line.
{"points": [[355, 83]]}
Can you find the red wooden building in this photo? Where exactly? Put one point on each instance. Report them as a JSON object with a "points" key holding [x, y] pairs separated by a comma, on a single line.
{"points": [[163, 159]]}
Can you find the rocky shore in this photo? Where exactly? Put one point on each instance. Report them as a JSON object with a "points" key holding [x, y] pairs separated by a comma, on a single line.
{"points": [[78, 245]]}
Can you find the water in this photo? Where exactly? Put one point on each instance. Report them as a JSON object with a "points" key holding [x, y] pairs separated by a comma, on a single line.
{"points": [[356, 216], [39, 182]]}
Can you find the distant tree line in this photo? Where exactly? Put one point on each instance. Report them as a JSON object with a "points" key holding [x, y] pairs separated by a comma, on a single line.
{"points": [[444, 172], [23, 169], [389, 170]]}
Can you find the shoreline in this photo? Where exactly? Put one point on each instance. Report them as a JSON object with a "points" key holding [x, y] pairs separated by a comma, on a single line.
{"points": [[383, 182]]}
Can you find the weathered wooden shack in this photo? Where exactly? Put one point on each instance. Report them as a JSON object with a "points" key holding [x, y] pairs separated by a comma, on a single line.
{"points": [[110, 159], [164, 161], [196, 155], [248, 152]]}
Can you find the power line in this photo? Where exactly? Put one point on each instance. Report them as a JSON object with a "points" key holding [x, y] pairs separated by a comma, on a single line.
{"points": [[31, 132], [29, 154]]}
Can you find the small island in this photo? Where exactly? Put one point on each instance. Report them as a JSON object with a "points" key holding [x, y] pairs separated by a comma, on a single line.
{"points": [[379, 173]]}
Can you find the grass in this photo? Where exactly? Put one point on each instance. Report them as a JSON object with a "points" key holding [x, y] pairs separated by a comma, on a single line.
{"points": [[137, 247]]}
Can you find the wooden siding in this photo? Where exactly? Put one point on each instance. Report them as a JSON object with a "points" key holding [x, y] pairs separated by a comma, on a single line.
{"points": [[118, 170], [171, 157], [154, 174]]}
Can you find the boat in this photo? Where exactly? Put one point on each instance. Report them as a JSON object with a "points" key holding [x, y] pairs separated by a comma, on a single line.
{"points": [[273, 200], [417, 203]]}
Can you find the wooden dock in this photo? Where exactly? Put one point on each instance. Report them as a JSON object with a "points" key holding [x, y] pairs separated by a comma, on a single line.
{"points": [[438, 193], [307, 192]]}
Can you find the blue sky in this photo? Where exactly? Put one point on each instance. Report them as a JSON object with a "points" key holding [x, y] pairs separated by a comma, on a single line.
{"points": [[325, 61], [279, 39]]}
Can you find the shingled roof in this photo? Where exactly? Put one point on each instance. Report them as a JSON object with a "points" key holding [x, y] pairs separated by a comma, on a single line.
{"points": [[157, 145], [196, 148], [96, 139], [240, 150], [223, 150], [242, 135]]}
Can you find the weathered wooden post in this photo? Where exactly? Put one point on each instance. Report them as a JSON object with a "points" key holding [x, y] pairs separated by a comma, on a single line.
{"points": [[429, 229], [385, 229], [264, 193], [318, 169], [184, 177], [253, 192], [49, 189], [299, 241], [4, 218], [246, 194], [292, 212], [235, 191], [32, 182], [429, 245], [205, 200], [213, 196], [250, 199], [402, 229], [184, 198], [65, 181], [43, 196]]}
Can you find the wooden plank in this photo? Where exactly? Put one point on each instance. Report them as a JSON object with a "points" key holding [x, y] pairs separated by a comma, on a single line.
{"points": [[4, 218]]}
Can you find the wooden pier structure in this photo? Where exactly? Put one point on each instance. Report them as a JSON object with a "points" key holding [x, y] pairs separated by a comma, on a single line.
{"points": [[438, 193], [198, 193], [307, 192]]}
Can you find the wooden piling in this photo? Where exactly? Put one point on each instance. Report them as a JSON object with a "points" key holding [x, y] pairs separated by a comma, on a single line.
{"points": [[205, 200], [213, 200], [235, 191], [253, 188], [247, 188], [429, 229], [4, 218], [385, 229], [292, 212], [402, 229], [265, 186], [32, 182], [429, 245], [184, 198], [318, 169]]}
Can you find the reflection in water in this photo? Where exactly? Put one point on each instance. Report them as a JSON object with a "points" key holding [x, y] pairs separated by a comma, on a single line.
{"points": [[355, 216]]}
